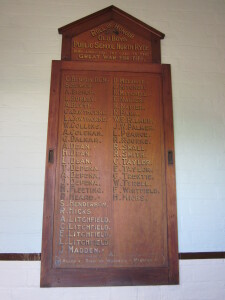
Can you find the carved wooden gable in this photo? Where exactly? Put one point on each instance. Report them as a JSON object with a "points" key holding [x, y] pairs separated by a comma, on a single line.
{"points": [[111, 35]]}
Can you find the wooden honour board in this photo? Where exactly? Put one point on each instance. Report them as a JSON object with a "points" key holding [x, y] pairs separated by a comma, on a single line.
{"points": [[110, 197]]}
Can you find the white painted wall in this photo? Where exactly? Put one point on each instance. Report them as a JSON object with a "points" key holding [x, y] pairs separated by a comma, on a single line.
{"points": [[199, 280], [195, 47]]}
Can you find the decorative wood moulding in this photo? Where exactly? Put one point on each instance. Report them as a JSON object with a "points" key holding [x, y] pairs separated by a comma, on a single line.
{"points": [[110, 194]]}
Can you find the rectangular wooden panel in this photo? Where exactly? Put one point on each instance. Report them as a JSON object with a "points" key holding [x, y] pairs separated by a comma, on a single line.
{"points": [[107, 202]]}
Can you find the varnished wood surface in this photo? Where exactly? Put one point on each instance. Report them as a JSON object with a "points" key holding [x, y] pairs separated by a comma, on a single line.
{"points": [[170, 177], [104, 55], [167, 273], [47, 232]]}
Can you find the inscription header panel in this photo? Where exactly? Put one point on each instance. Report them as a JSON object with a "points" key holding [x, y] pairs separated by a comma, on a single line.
{"points": [[111, 42]]}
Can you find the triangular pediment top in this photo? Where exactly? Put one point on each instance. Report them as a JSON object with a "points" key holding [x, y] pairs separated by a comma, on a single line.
{"points": [[105, 15], [111, 34]]}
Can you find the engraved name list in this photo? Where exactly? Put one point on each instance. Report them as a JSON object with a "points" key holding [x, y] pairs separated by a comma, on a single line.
{"points": [[110, 197]]}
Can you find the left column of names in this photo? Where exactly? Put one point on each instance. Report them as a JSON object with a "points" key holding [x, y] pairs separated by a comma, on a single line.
{"points": [[82, 212]]}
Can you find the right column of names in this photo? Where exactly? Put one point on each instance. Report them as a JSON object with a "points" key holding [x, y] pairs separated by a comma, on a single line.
{"points": [[131, 136], [137, 171]]}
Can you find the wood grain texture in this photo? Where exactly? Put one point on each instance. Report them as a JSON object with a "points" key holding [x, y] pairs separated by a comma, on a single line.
{"points": [[49, 197], [170, 177], [167, 272], [66, 48], [112, 57]]}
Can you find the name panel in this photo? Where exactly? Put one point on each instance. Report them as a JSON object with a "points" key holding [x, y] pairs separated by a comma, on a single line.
{"points": [[110, 201]]}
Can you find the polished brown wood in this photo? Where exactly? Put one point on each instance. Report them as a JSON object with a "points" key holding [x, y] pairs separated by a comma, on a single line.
{"points": [[111, 34], [50, 173], [110, 196], [170, 174], [142, 239]]}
